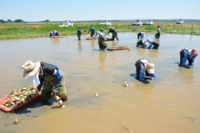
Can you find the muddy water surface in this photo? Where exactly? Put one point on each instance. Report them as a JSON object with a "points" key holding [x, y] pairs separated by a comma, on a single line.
{"points": [[170, 104]]}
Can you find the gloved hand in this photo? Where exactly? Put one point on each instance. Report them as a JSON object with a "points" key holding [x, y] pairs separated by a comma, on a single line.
{"points": [[152, 76], [55, 90], [39, 87]]}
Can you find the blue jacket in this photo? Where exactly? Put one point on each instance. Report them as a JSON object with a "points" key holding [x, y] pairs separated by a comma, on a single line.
{"points": [[79, 31], [92, 29], [52, 70]]}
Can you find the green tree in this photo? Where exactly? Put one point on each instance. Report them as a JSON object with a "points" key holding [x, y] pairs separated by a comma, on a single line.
{"points": [[2, 21], [18, 21], [9, 21]]}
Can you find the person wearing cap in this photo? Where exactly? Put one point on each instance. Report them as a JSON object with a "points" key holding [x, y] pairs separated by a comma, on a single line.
{"points": [[141, 35], [46, 76], [79, 32], [147, 44], [53, 33], [145, 69], [101, 39], [114, 34], [187, 54], [92, 30], [157, 36]]}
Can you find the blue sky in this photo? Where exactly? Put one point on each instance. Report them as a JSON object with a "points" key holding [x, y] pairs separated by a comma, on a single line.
{"points": [[75, 10]]}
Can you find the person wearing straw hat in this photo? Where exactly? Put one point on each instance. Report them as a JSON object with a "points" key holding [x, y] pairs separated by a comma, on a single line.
{"points": [[145, 69], [187, 54], [141, 35], [101, 39], [46, 76]]}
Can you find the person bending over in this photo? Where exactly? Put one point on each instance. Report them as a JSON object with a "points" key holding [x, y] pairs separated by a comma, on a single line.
{"points": [[145, 69], [188, 54]]}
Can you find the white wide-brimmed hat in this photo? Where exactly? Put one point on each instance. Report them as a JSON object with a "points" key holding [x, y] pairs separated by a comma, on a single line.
{"points": [[30, 68], [150, 68]]}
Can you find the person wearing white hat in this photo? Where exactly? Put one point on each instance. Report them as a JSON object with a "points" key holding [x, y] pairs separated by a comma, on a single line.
{"points": [[101, 39], [145, 68], [188, 54], [46, 76]]}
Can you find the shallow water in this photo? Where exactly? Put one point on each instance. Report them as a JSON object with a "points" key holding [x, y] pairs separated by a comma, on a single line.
{"points": [[170, 104]]}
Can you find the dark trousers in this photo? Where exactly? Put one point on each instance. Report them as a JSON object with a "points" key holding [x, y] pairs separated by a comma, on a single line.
{"points": [[102, 45], [79, 36], [138, 68], [114, 36], [182, 56], [138, 35], [157, 36], [92, 34], [139, 43], [155, 45]]}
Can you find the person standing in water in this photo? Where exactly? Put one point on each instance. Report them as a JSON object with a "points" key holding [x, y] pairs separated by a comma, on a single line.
{"points": [[157, 36]]}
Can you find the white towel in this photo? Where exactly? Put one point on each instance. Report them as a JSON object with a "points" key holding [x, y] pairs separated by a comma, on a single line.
{"points": [[34, 79]]}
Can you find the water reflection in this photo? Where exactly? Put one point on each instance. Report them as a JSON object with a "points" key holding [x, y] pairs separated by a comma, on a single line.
{"points": [[55, 40], [114, 43], [92, 43], [79, 45], [102, 58]]}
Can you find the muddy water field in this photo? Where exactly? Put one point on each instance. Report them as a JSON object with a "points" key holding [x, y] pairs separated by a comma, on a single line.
{"points": [[98, 101]]}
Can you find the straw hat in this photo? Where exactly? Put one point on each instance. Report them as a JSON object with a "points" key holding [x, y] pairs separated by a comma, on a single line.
{"points": [[194, 52], [30, 68], [150, 68]]}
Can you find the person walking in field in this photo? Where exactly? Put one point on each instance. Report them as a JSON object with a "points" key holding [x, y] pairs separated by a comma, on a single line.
{"points": [[114, 34], [91, 31], [157, 36], [188, 54], [145, 69], [79, 32], [46, 77]]}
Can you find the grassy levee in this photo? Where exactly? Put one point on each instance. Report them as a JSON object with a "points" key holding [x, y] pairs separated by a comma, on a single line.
{"points": [[26, 30]]}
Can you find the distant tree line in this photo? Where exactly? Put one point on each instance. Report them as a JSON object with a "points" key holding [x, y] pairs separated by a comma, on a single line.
{"points": [[19, 21]]}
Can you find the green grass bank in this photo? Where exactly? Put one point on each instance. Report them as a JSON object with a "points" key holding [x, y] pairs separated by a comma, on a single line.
{"points": [[26, 30]]}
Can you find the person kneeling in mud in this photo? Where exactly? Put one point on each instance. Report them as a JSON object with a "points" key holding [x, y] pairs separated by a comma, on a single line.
{"points": [[147, 44], [101, 39], [48, 77], [187, 54], [145, 70]]}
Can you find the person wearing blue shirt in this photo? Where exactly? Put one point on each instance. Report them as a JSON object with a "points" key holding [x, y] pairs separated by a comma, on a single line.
{"points": [[157, 36], [187, 54], [91, 31], [79, 32], [48, 77], [145, 70]]}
